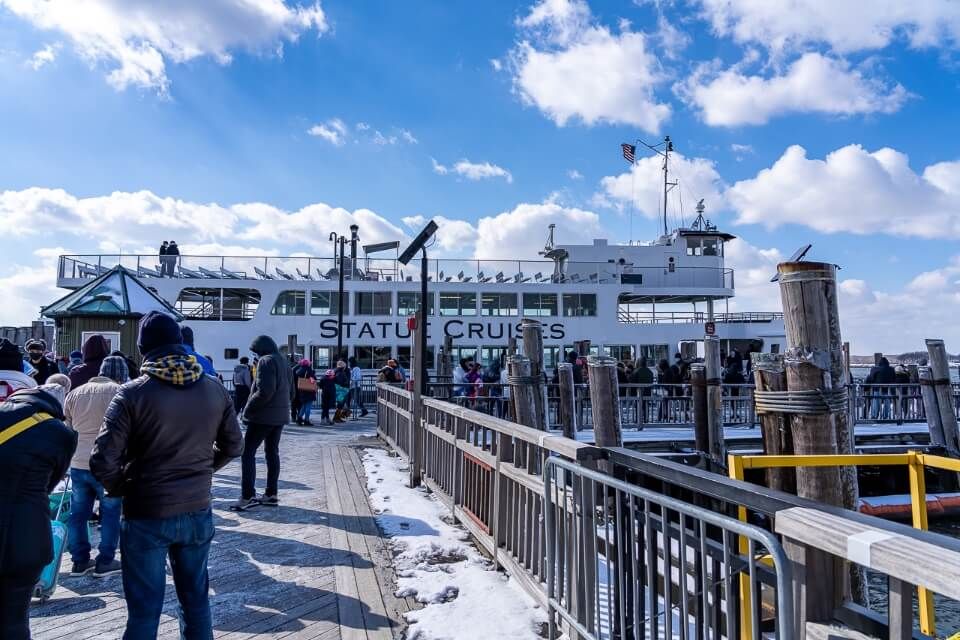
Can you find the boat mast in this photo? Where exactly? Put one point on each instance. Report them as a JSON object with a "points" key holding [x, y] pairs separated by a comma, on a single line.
{"points": [[668, 147]]}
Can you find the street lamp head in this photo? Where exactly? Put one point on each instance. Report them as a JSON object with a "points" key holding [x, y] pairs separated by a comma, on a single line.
{"points": [[333, 236]]}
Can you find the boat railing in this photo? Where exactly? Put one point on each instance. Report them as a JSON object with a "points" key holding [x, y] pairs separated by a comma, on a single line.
{"points": [[694, 317], [302, 268]]}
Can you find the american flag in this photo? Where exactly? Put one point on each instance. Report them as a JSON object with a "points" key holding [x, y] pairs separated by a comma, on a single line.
{"points": [[629, 152]]}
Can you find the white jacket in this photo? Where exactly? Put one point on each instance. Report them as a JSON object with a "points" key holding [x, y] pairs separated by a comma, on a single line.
{"points": [[13, 381], [83, 410]]}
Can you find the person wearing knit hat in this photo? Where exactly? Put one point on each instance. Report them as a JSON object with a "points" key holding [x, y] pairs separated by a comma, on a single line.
{"points": [[32, 463], [208, 367], [162, 437], [12, 377], [76, 358], [83, 411]]}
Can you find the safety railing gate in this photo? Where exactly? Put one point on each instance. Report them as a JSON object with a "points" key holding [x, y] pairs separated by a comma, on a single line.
{"points": [[626, 562]]}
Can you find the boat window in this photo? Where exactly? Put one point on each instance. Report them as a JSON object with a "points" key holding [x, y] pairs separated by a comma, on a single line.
{"points": [[579, 304], [403, 357], [408, 302], [326, 303], [621, 352], [369, 357], [654, 353], [290, 303], [373, 303], [240, 304], [551, 356], [498, 304], [489, 354], [458, 304], [461, 351], [710, 246], [199, 304], [540, 304], [594, 349], [694, 247], [322, 357], [231, 354]]}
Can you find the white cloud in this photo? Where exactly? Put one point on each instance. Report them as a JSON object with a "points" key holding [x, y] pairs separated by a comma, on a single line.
{"points": [[472, 170], [333, 131], [27, 287], [43, 57], [454, 237], [643, 184], [136, 39], [380, 139], [843, 26], [571, 68], [496, 64], [408, 137], [814, 83], [852, 190], [573, 174], [362, 126], [741, 148], [522, 231]]}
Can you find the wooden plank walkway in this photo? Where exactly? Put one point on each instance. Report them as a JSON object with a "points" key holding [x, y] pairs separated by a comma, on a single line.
{"points": [[314, 568]]}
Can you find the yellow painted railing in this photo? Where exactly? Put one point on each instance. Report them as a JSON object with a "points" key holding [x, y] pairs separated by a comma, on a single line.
{"points": [[914, 461]]}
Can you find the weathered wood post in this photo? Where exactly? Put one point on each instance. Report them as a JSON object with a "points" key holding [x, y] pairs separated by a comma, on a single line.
{"points": [[808, 292], [568, 403], [717, 448], [940, 368], [521, 391], [605, 401], [931, 408], [533, 349], [770, 374], [698, 386]]}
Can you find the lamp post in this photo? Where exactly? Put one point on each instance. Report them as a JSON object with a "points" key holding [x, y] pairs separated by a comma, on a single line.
{"points": [[419, 244], [336, 238]]}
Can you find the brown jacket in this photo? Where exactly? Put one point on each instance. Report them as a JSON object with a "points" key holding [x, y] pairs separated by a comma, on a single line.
{"points": [[83, 410]]}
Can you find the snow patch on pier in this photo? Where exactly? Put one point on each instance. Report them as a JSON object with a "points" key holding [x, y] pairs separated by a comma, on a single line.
{"points": [[437, 565]]}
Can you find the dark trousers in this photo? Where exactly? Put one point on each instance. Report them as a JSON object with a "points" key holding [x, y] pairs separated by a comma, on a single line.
{"points": [[269, 436], [240, 395], [144, 548], [16, 590]]}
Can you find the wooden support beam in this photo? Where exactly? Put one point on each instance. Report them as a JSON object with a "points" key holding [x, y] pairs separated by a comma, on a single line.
{"points": [[568, 410], [940, 368], [532, 332], [717, 447], [930, 407], [770, 374], [605, 401], [698, 384], [521, 391]]}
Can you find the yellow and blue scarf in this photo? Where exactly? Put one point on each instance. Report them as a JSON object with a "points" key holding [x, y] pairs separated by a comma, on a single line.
{"points": [[177, 369]]}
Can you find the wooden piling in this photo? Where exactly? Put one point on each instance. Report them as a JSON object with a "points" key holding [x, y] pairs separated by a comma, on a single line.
{"points": [[940, 369], [521, 391], [931, 408], [605, 401], [568, 412], [717, 449], [770, 374], [532, 332], [698, 385]]}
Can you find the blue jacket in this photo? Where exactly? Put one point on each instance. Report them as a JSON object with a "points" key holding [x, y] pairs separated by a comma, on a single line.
{"points": [[206, 364]]}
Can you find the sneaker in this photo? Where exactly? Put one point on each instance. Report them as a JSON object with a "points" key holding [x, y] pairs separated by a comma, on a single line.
{"points": [[104, 569], [244, 503], [81, 568], [269, 501]]}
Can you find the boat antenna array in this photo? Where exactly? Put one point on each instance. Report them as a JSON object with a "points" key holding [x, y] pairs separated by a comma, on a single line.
{"points": [[668, 186]]}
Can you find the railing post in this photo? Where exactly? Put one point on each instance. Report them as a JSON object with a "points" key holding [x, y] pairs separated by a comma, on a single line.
{"points": [[930, 407], [533, 348], [918, 508]]}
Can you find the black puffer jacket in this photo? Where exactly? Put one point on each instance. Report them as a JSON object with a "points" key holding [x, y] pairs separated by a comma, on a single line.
{"points": [[272, 390], [161, 442], [31, 465]]}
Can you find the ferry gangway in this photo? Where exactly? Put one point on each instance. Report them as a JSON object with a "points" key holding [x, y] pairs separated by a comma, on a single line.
{"points": [[500, 479]]}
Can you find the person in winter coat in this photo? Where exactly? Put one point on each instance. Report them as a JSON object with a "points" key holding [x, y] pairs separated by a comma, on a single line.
{"points": [[328, 396], [76, 359], [341, 378], [133, 369], [33, 460], [43, 367], [203, 360], [267, 410], [242, 381], [356, 386], [389, 373], [163, 436], [83, 411], [880, 374], [173, 255], [94, 350], [306, 391], [12, 377], [162, 256]]}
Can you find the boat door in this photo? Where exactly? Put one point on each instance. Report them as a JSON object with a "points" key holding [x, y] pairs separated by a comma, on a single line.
{"points": [[671, 268]]}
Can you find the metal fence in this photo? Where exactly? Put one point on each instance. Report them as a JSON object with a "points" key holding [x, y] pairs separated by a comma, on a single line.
{"points": [[626, 562]]}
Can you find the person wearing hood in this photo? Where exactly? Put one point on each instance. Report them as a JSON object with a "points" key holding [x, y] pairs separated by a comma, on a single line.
{"points": [[43, 367], [163, 437], [35, 450], [12, 377], [76, 359], [203, 360], [306, 390], [94, 350], [267, 410], [242, 381], [328, 396]]}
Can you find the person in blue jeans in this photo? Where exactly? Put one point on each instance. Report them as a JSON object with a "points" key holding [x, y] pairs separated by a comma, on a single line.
{"points": [[83, 411], [163, 436]]}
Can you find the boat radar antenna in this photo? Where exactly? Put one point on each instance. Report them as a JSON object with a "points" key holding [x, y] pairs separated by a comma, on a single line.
{"points": [[549, 246], [667, 145], [701, 223]]}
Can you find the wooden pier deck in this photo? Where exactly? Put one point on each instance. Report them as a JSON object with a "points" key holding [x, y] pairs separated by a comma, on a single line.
{"points": [[314, 568]]}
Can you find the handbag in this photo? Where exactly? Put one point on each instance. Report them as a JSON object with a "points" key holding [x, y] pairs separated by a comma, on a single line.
{"points": [[307, 384]]}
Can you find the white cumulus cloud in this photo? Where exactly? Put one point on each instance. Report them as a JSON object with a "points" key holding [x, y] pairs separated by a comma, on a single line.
{"points": [[43, 57], [852, 190], [814, 83], [333, 131], [472, 170], [575, 69], [136, 39]]}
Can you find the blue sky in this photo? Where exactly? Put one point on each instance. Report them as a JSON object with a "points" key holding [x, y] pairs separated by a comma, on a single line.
{"points": [[151, 130]]}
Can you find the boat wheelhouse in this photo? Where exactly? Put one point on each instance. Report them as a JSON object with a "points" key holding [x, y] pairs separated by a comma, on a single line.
{"points": [[629, 300]]}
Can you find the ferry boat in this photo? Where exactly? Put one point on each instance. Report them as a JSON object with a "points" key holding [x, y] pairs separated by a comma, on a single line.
{"points": [[630, 301]]}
